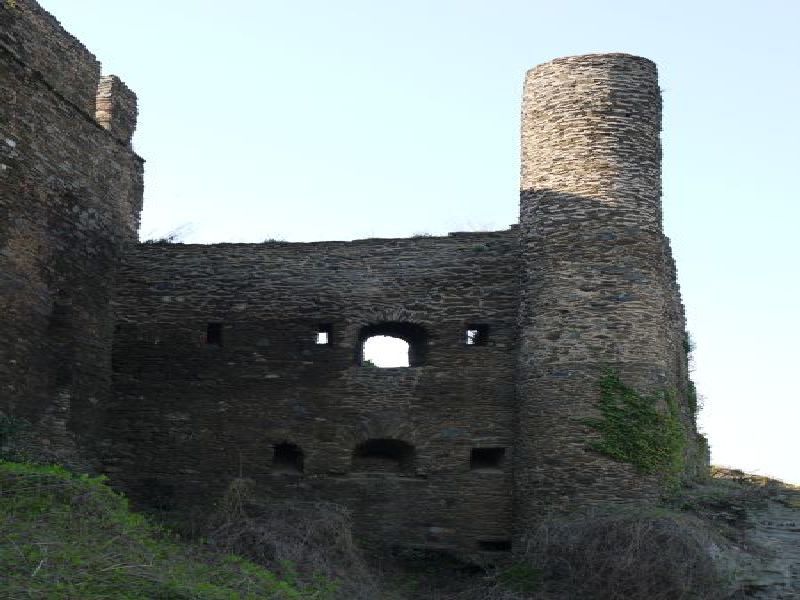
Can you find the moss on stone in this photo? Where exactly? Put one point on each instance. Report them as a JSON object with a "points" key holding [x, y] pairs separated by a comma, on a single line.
{"points": [[635, 430]]}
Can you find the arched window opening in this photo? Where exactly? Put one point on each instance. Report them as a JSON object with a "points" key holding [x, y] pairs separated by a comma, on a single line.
{"points": [[392, 344], [384, 456], [287, 458], [384, 351]]}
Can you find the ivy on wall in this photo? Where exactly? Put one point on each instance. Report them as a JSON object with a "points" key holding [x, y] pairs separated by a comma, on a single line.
{"points": [[634, 430]]}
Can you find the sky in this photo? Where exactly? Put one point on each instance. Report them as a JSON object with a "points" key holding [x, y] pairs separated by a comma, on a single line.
{"points": [[314, 120]]}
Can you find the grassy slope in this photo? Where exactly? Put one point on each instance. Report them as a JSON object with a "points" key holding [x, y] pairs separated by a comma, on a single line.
{"points": [[68, 536]]}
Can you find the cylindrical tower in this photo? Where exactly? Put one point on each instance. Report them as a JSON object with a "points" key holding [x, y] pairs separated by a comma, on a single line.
{"points": [[593, 273]]}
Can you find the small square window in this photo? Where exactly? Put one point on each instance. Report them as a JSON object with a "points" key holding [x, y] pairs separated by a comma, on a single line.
{"points": [[477, 335], [287, 458], [324, 334], [214, 334]]}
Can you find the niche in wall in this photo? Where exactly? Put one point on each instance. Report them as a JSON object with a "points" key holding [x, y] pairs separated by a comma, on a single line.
{"points": [[384, 456]]}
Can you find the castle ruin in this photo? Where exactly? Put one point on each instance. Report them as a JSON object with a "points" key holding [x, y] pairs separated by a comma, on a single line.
{"points": [[174, 368]]}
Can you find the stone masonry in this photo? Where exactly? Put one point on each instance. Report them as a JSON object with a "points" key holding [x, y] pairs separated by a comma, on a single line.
{"points": [[70, 197], [175, 368]]}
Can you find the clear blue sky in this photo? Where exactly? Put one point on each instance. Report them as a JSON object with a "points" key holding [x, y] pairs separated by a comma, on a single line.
{"points": [[307, 120]]}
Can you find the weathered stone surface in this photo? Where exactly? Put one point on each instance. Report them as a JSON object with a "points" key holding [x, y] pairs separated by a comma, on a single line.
{"points": [[70, 195], [35, 38], [766, 565], [207, 367], [598, 287], [193, 416], [116, 108]]}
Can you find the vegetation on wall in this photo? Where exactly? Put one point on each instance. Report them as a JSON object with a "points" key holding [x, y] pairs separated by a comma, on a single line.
{"points": [[634, 429], [692, 399]]}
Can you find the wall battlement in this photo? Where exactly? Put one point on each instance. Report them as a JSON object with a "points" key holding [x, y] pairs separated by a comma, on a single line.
{"points": [[115, 108], [175, 368]]}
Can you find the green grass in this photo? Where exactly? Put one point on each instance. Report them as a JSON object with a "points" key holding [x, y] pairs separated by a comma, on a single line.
{"points": [[69, 536]]}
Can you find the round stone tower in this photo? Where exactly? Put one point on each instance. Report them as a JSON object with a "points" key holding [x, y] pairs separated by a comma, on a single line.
{"points": [[593, 292]]}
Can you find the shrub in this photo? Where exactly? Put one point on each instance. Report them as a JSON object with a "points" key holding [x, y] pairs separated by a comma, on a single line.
{"points": [[306, 543], [622, 557]]}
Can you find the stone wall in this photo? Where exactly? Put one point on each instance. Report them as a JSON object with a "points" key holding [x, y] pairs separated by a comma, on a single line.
{"points": [[34, 37], [70, 195], [189, 415], [213, 350]]}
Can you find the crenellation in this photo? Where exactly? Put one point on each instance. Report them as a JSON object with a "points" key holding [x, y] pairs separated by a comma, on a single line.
{"points": [[175, 368], [116, 108]]}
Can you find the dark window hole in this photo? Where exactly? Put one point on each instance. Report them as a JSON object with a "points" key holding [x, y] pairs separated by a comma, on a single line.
{"points": [[477, 335], [487, 459], [495, 545], [214, 334], [287, 458]]}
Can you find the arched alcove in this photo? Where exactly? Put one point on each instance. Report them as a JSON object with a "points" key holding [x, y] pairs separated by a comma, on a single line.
{"points": [[383, 455]]}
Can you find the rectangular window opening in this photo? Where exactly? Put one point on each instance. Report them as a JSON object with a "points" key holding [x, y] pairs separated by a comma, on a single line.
{"points": [[495, 545], [324, 334], [477, 335], [214, 334], [487, 459]]}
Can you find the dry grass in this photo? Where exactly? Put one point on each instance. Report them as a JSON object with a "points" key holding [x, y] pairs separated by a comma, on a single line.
{"points": [[626, 557], [611, 557], [303, 542]]}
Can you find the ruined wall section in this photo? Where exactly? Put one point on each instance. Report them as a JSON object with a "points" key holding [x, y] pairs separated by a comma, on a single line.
{"points": [[34, 37], [70, 196], [598, 288], [116, 108], [190, 415]]}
